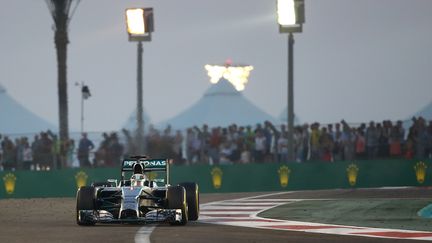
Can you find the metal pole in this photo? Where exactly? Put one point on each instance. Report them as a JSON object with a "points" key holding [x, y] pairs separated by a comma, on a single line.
{"points": [[290, 112], [82, 108], [140, 120]]}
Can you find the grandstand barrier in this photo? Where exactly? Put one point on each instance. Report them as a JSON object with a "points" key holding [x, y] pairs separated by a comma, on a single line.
{"points": [[257, 177]]}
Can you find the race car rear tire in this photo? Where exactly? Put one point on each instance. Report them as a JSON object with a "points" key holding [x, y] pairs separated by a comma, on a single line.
{"points": [[176, 199], [85, 201], [192, 198]]}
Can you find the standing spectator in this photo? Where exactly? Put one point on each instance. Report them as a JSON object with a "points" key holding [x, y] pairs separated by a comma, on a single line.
{"points": [[326, 145], [189, 145], [8, 154], [330, 130], [27, 157], [36, 148], [249, 139], [233, 142], [204, 136], [214, 144], [84, 147], [115, 151], [420, 138], [298, 143], [282, 146], [337, 143], [226, 153], [1, 154], [409, 147], [429, 141], [260, 147], [56, 151], [46, 151], [401, 131], [270, 140], [315, 142], [101, 154], [347, 140], [242, 134], [241, 141], [395, 142], [196, 148], [372, 135], [306, 142], [245, 156], [193, 146], [360, 144], [19, 150], [69, 148], [177, 147], [383, 147]]}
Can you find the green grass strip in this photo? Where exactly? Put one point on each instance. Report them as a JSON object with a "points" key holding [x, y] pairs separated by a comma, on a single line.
{"points": [[380, 213]]}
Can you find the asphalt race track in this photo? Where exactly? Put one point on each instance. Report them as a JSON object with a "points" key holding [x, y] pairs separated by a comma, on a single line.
{"points": [[53, 220]]}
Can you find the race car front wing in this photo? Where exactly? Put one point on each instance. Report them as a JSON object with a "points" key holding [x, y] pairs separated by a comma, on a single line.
{"points": [[154, 216]]}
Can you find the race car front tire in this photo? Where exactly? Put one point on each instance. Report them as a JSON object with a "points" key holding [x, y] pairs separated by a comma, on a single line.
{"points": [[85, 201], [176, 198], [192, 198]]}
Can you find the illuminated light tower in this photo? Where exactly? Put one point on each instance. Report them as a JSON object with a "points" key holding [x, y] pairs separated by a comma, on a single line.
{"points": [[290, 17], [237, 75], [139, 23]]}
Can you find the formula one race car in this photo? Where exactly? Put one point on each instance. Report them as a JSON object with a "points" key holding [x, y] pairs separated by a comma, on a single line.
{"points": [[147, 197]]}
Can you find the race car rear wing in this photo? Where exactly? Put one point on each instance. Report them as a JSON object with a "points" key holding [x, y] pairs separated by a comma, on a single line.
{"points": [[148, 165]]}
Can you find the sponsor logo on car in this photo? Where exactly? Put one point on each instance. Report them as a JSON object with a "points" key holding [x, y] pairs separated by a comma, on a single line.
{"points": [[146, 163], [154, 163]]}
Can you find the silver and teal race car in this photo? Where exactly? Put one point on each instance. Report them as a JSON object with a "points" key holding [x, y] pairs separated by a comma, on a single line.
{"points": [[143, 195]]}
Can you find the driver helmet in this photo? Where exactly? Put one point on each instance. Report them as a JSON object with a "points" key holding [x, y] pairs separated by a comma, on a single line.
{"points": [[138, 179]]}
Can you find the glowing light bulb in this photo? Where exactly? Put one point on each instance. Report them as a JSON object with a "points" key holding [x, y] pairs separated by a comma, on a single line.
{"points": [[236, 75]]}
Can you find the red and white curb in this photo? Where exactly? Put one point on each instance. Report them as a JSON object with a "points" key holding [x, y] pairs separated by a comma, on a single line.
{"points": [[243, 212]]}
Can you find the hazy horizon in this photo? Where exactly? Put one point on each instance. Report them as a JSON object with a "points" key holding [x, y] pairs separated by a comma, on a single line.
{"points": [[356, 60]]}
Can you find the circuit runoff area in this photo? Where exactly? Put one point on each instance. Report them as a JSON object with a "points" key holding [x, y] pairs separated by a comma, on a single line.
{"points": [[393, 213]]}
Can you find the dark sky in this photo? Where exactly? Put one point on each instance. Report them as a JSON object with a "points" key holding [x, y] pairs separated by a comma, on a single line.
{"points": [[358, 60]]}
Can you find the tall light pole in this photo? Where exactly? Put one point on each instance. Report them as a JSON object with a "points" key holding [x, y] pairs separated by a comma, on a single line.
{"points": [[290, 16], [139, 23]]}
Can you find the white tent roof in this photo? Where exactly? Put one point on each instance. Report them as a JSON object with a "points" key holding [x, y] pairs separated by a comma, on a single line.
{"points": [[221, 105], [16, 119]]}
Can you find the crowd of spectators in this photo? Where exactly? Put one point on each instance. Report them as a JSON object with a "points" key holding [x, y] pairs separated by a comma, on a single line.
{"points": [[314, 142], [263, 143]]}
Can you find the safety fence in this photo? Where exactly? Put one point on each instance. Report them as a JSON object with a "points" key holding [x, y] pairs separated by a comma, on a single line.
{"points": [[233, 178]]}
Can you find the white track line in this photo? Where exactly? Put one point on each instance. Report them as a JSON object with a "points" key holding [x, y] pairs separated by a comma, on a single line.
{"points": [[143, 234], [264, 195]]}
